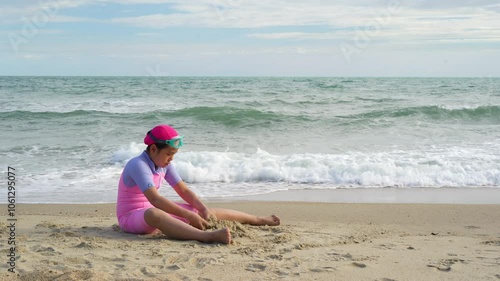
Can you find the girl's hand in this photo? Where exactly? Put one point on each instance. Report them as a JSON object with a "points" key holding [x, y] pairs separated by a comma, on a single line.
{"points": [[207, 214], [197, 221]]}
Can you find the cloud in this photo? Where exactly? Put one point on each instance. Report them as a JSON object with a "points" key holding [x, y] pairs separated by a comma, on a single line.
{"points": [[273, 13], [447, 4], [149, 34], [20, 12], [244, 15], [34, 56], [297, 35], [458, 25], [252, 30], [453, 21]]}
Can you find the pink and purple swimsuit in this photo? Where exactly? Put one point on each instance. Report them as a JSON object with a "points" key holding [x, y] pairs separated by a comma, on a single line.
{"points": [[139, 175]]}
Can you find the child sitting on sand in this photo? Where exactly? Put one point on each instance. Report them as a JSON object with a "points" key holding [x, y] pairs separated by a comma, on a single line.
{"points": [[141, 209]]}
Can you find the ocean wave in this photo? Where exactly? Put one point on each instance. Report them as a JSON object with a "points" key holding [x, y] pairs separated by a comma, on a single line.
{"points": [[379, 100], [230, 116], [116, 106], [229, 174], [453, 167], [327, 86], [225, 115], [486, 113], [18, 114]]}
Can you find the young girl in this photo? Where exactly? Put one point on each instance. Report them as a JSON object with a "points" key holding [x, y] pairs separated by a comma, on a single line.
{"points": [[141, 209]]}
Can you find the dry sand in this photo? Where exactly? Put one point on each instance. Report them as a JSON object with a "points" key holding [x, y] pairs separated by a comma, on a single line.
{"points": [[316, 241]]}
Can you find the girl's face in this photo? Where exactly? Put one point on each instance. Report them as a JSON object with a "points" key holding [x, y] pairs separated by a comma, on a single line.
{"points": [[162, 158]]}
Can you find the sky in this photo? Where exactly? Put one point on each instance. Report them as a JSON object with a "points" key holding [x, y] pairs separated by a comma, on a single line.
{"points": [[336, 38]]}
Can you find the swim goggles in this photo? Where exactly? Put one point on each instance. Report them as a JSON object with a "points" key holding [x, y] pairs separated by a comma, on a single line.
{"points": [[175, 142]]}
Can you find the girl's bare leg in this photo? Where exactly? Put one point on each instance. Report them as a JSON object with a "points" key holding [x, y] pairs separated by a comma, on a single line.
{"points": [[232, 215], [176, 229]]}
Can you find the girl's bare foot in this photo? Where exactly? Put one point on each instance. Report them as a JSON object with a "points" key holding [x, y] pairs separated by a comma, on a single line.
{"points": [[272, 220], [220, 236]]}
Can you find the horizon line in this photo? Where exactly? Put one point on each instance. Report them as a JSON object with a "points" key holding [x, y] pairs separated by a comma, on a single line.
{"points": [[244, 76]]}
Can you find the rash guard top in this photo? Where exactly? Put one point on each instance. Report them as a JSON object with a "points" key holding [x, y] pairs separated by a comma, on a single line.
{"points": [[139, 175]]}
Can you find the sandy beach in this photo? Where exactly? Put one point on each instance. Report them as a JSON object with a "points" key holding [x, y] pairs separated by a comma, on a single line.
{"points": [[316, 241]]}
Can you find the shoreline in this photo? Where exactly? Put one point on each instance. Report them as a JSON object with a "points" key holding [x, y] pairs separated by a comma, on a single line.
{"points": [[421, 195], [294, 211], [445, 195]]}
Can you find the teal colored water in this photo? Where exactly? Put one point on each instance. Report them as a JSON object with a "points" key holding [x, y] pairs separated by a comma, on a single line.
{"points": [[69, 137]]}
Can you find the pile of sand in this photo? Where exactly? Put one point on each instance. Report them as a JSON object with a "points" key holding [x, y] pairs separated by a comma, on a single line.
{"points": [[237, 229]]}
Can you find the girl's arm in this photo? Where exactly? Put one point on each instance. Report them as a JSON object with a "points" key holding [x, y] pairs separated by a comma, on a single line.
{"points": [[170, 207], [190, 197]]}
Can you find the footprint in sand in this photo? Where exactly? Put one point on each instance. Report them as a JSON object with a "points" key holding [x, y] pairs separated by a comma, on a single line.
{"points": [[323, 269], [304, 246], [202, 262], [333, 256], [247, 251], [77, 275], [280, 239], [387, 246], [440, 267], [358, 264], [275, 257], [152, 270], [46, 251], [50, 262], [445, 265], [472, 227], [177, 259], [256, 267], [88, 245], [77, 261], [339, 257], [48, 224], [491, 242], [174, 267], [281, 272]]}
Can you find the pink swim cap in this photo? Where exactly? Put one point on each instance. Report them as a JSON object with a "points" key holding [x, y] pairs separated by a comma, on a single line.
{"points": [[162, 132]]}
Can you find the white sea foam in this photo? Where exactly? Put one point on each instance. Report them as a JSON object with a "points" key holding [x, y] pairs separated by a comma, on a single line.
{"points": [[232, 174], [93, 185], [123, 154], [432, 168]]}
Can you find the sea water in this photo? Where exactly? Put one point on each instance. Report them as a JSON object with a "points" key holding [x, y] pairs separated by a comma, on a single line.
{"points": [[69, 137]]}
